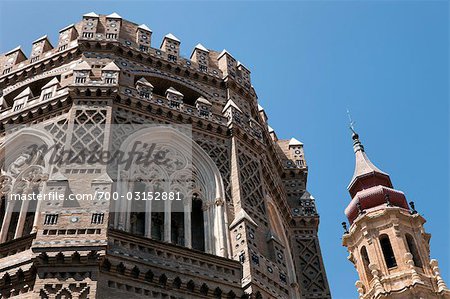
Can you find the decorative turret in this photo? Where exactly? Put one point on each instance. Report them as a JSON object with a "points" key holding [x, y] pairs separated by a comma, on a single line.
{"points": [[386, 240], [227, 64], [66, 35], [89, 25], [143, 37], [171, 45], [201, 56], [110, 73], [113, 23], [369, 186], [13, 57], [174, 97], [40, 46]]}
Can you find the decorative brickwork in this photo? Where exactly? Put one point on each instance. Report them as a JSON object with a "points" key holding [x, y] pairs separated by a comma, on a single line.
{"points": [[249, 226]]}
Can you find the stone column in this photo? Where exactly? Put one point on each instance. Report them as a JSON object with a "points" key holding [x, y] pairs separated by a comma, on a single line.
{"points": [[6, 220], [148, 215], [22, 214], [167, 221], [219, 228], [187, 224], [208, 226]]}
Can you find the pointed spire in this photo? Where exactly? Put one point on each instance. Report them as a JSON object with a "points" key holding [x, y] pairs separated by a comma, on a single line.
{"points": [[201, 47], [143, 81], [366, 174], [230, 103], [114, 16], [83, 66], [144, 27], [294, 142], [202, 100], [25, 93], [172, 37], [91, 15], [111, 67], [174, 91], [52, 82]]}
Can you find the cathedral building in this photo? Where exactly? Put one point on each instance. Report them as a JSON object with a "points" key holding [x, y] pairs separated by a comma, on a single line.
{"points": [[249, 228], [386, 240]]}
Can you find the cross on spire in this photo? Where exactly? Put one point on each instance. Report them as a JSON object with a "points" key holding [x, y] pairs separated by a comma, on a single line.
{"points": [[352, 123]]}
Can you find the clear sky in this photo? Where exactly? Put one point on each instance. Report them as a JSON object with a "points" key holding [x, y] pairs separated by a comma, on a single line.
{"points": [[387, 61]]}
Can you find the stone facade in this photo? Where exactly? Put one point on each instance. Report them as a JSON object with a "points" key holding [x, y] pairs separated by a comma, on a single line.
{"points": [[259, 238], [386, 240]]}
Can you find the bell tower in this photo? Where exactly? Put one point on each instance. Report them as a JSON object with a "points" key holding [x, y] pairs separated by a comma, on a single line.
{"points": [[386, 240]]}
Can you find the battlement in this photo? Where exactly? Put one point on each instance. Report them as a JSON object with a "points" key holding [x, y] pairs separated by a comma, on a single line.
{"points": [[112, 28]]}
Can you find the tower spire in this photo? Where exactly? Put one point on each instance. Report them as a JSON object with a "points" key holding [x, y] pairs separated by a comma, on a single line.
{"points": [[366, 174]]}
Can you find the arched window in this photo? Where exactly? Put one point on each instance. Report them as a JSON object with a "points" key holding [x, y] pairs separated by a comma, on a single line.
{"points": [[388, 253], [197, 225], [366, 262], [413, 250]]}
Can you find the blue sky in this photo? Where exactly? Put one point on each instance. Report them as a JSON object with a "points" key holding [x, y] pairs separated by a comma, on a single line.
{"points": [[387, 61]]}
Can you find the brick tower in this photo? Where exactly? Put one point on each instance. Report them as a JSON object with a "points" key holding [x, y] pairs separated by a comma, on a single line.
{"points": [[250, 225], [386, 240]]}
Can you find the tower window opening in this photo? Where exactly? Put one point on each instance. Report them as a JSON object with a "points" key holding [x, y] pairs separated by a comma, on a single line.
{"points": [[88, 34], [171, 57], [137, 215], [388, 253], [413, 250], [51, 219], [197, 225], [80, 80], [47, 96], [366, 262]]}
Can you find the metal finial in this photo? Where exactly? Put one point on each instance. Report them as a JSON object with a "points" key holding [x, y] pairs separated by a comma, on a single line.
{"points": [[359, 207], [352, 123], [344, 226], [413, 207], [388, 200]]}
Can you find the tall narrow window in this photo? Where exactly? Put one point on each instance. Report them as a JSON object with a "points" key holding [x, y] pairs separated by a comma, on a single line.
{"points": [[2, 209], [197, 225], [157, 219], [388, 253], [31, 212], [413, 250], [14, 221], [137, 213], [177, 228], [366, 261]]}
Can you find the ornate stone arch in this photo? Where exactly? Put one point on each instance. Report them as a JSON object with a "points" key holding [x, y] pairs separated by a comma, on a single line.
{"points": [[23, 171], [206, 180], [276, 224]]}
